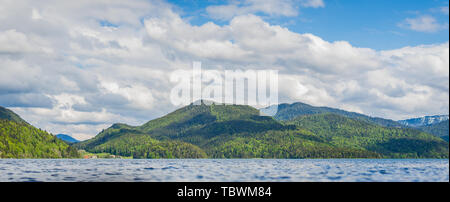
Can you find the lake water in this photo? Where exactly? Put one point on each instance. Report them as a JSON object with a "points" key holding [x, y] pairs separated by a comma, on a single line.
{"points": [[225, 170]]}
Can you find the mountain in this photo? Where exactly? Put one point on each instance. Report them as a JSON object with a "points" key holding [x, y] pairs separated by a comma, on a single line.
{"points": [[18, 139], [390, 142], [424, 121], [215, 131], [10, 115], [237, 131], [288, 112], [437, 125], [67, 138], [439, 129]]}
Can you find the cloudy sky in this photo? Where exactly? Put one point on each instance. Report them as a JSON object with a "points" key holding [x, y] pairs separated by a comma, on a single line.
{"points": [[76, 67]]}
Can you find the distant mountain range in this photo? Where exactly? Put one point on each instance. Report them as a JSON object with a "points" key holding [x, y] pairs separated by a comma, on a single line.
{"points": [[18, 139], [67, 138], [423, 121], [439, 129], [288, 112], [437, 125], [235, 131]]}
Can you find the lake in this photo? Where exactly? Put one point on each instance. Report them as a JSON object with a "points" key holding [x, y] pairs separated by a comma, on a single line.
{"points": [[225, 170]]}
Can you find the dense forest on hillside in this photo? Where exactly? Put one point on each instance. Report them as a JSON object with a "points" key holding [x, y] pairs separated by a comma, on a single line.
{"points": [[280, 144], [10, 115], [234, 131], [231, 131], [286, 112], [21, 140], [440, 129], [143, 146], [391, 142], [18, 139]]}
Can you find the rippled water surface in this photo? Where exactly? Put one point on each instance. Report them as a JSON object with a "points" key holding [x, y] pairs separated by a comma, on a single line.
{"points": [[227, 170]]}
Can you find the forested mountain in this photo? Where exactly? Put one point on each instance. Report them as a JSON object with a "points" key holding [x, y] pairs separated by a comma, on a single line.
{"points": [[291, 111], [390, 142], [124, 140], [440, 129], [424, 121], [236, 131], [67, 138], [19, 139], [10, 115], [435, 125]]}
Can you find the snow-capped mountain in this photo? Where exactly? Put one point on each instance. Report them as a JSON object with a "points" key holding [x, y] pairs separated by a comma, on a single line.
{"points": [[422, 121]]}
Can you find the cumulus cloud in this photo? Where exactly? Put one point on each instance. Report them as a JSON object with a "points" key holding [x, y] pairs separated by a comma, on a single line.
{"points": [[424, 23], [272, 8], [139, 96], [312, 3], [17, 42], [251, 40], [77, 68]]}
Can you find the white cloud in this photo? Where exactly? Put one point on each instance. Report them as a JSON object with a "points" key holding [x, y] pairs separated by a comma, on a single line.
{"points": [[424, 23], [313, 3], [249, 39], [35, 15], [272, 8], [15, 42], [138, 95]]}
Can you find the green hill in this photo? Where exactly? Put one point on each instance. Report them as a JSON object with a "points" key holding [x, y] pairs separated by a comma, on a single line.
{"points": [[123, 140], [18, 139], [390, 142], [215, 131], [236, 131], [440, 129], [10, 115], [291, 111]]}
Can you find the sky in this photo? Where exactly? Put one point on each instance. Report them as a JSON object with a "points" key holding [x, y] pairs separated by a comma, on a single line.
{"points": [[78, 67]]}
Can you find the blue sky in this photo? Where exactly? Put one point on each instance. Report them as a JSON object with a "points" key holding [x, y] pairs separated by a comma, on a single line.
{"points": [[376, 24]]}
